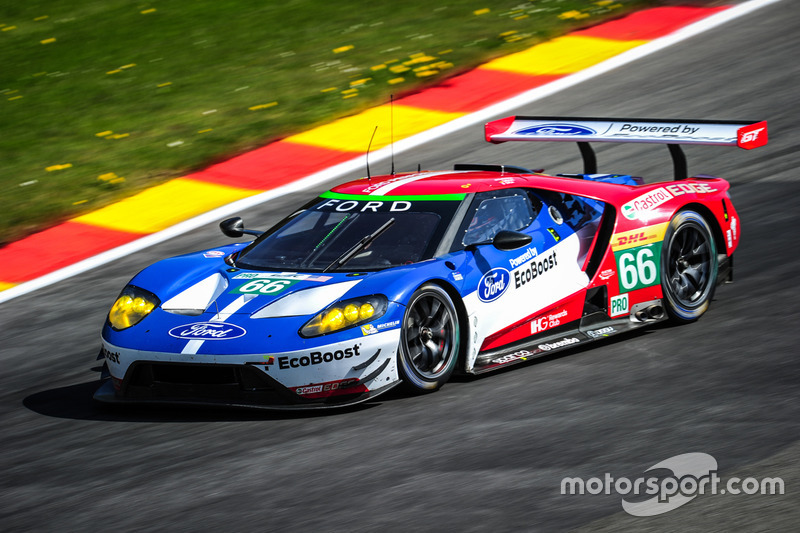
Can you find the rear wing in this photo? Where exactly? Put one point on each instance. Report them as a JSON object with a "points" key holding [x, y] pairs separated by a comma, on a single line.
{"points": [[741, 133]]}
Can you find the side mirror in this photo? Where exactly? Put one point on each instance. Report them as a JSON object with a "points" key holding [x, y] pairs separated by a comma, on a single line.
{"points": [[234, 228], [506, 240]]}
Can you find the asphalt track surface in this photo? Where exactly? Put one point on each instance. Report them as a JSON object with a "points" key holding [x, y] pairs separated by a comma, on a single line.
{"points": [[482, 453]]}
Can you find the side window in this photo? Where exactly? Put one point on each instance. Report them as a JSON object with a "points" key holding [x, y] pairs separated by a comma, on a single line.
{"points": [[503, 210], [579, 212]]}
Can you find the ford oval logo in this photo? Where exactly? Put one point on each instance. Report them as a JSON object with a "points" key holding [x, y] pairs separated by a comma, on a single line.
{"points": [[493, 284], [208, 331], [557, 130]]}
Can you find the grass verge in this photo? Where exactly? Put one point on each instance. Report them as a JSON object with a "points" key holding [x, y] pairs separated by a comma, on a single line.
{"points": [[102, 98]]}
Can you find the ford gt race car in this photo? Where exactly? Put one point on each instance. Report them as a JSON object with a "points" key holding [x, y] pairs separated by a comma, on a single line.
{"points": [[411, 277]]}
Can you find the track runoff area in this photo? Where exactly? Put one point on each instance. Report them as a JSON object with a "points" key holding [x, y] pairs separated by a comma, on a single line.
{"points": [[324, 153]]}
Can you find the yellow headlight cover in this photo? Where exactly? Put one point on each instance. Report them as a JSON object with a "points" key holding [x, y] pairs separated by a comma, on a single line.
{"points": [[132, 305]]}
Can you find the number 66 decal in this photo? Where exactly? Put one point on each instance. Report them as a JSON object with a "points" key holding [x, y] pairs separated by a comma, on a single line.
{"points": [[639, 267]]}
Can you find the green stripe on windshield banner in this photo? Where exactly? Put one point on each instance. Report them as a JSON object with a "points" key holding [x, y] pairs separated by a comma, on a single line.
{"points": [[420, 198]]}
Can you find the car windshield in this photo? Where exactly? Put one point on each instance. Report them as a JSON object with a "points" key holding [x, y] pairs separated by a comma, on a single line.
{"points": [[321, 233]]}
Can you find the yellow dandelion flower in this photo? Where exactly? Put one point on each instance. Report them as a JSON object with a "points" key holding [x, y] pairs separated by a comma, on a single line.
{"points": [[167, 84], [521, 17], [574, 14], [263, 106], [118, 136], [44, 17], [108, 176], [15, 97], [426, 73], [328, 89], [205, 130], [52, 168], [443, 52], [343, 49], [48, 41], [103, 133], [602, 3], [378, 67], [395, 81], [507, 33], [358, 83], [350, 91], [345, 97], [147, 11], [117, 181], [397, 69], [79, 202], [481, 11], [129, 65], [115, 71]]}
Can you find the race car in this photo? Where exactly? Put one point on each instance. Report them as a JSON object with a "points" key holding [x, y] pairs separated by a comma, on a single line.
{"points": [[410, 277]]}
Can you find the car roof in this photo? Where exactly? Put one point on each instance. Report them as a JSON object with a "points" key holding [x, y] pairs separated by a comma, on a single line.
{"points": [[452, 182]]}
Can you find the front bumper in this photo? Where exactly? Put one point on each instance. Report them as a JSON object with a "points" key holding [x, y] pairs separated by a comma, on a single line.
{"points": [[333, 375]]}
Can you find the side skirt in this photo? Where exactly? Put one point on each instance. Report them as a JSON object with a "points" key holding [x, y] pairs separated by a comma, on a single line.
{"points": [[590, 328]]}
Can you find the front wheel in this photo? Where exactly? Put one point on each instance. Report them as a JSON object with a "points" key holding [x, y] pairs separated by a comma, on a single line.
{"points": [[688, 266], [429, 339]]}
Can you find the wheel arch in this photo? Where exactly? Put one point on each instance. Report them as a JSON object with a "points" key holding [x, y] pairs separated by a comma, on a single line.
{"points": [[713, 223]]}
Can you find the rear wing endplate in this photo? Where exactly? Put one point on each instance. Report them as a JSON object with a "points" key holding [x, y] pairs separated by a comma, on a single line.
{"points": [[741, 133]]}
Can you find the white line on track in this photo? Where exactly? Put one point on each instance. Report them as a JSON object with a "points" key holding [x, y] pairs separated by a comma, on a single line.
{"points": [[322, 176]]}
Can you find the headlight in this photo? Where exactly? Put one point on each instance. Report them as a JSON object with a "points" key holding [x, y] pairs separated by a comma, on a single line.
{"points": [[346, 314], [132, 305]]}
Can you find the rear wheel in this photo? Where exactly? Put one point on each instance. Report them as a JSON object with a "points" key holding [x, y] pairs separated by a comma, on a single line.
{"points": [[688, 266], [429, 339]]}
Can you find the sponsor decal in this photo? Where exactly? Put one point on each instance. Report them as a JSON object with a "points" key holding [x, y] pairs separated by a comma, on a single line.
{"points": [[268, 286], [328, 387], [602, 332], [374, 206], [639, 267], [639, 236], [680, 128], [505, 181], [566, 130], [209, 331], [607, 273], [283, 275], [730, 238], [213, 253], [318, 358], [535, 269], [546, 322], [678, 189], [529, 254], [371, 329], [111, 357], [522, 354], [641, 206], [547, 346], [734, 225], [457, 276], [619, 305], [493, 284], [554, 233]]}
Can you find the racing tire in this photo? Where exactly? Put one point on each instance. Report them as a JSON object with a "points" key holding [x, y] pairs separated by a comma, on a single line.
{"points": [[429, 340], [688, 267]]}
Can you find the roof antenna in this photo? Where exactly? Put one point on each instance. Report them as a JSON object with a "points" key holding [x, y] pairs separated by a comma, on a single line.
{"points": [[369, 178], [391, 128]]}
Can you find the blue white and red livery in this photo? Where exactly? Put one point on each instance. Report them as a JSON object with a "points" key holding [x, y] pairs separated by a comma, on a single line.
{"points": [[411, 277]]}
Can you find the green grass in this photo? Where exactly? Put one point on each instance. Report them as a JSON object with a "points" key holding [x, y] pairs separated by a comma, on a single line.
{"points": [[182, 83]]}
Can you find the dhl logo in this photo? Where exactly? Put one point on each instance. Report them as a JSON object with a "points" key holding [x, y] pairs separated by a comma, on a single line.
{"points": [[638, 237]]}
